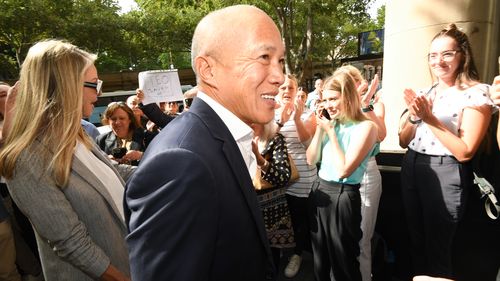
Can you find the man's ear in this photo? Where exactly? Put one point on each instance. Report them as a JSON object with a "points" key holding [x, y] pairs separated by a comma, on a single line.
{"points": [[205, 68]]}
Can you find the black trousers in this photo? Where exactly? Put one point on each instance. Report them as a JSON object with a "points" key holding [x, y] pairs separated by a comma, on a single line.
{"points": [[434, 190], [336, 231], [298, 207]]}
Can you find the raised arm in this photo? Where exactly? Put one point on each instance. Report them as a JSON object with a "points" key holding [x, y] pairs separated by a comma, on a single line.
{"points": [[377, 114], [306, 128], [313, 152], [408, 120], [153, 112]]}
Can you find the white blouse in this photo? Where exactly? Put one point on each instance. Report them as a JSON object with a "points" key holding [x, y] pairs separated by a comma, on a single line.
{"points": [[104, 173], [448, 107]]}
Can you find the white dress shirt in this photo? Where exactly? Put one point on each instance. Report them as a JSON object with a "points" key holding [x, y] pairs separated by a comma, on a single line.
{"points": [[241, 132]]}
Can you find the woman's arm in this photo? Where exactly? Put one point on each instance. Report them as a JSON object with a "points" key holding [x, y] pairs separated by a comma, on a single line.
{"points": [[408, 120], [306, 128], [475, 122], [360, 146], [313, 152], [153, 112], [407, 130], [53, 216], [377, 115]]}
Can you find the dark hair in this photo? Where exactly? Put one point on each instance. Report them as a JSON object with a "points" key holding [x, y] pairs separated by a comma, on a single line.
{"points": [[112, 107], [467, 70]]}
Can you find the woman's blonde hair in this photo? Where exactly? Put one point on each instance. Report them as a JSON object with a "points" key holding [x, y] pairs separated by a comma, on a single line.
{"points": [[351, 70], [343, 83], [48, 108]]}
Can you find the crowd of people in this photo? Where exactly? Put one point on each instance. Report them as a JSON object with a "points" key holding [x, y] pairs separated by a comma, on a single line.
{"points": [[253, 165]]}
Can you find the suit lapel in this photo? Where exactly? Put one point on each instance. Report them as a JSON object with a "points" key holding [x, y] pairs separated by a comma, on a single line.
{"points": [[80, 169], [236, 161]]}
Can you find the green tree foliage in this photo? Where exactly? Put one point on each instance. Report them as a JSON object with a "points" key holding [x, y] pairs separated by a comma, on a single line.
{"points": [[159, 33], [91, 24]]}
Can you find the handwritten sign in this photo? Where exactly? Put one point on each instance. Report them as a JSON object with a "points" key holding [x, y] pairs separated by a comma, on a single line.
{"points": [[160, 85]]}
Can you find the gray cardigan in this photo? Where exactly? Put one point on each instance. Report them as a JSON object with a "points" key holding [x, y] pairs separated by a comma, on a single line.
{"points": [[78, 229]]}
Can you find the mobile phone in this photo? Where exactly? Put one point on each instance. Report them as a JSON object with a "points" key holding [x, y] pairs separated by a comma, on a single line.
{"points": [[325, 114]]}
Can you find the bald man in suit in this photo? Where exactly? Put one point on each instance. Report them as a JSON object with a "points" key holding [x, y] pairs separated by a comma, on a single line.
{"points": [[192, 210]]}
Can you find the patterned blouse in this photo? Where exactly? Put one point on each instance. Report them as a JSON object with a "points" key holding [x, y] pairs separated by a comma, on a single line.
{"points": [[448, 107], [276, 153]]}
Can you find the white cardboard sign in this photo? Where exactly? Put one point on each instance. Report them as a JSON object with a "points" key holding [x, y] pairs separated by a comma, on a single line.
{"points": [[160, 86]]}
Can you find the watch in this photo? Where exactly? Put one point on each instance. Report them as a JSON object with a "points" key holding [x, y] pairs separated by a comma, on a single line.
{"points": [[414, 122], [368, 108]]}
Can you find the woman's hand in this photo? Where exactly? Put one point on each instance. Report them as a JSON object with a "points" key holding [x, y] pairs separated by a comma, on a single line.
{"points": [[140, 94], [322, 122], [286, 111], [495, 90], [299, 109], [422, 108], [409, 98], [362, 87], [113, 274], [132, 155], [366, 98]]}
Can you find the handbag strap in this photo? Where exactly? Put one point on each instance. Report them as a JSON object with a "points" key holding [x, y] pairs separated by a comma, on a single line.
{"points": [[491, 203]]}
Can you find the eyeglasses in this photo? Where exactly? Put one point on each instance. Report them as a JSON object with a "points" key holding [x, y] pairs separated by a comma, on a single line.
{"points": [[446, 56], [97, 86]]}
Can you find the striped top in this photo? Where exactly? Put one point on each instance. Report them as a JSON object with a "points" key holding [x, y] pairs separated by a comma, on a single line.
{"points": [[307, 173]]}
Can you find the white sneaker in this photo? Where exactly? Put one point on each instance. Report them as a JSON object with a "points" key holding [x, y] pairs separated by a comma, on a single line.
{"points": [[293, 266]]}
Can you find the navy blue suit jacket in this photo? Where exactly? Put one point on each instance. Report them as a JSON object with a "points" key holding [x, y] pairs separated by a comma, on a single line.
{"points": [[191, 208]]}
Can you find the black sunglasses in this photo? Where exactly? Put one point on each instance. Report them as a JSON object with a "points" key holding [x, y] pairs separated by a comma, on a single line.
{"points": [[188, 101], [97, 86]]}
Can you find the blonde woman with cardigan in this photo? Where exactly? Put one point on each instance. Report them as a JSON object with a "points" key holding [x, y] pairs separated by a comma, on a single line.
{"points": [[60, 180]]}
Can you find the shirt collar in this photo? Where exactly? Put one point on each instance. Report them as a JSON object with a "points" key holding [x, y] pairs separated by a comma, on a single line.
{"points": [[239, 129]]}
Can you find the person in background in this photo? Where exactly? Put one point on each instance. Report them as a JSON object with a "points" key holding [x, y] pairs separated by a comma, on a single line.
{"points": [[344, 141], [297, 124], [172, 108], [371, 185], [442, 130], [192, 210], [8, 268], [153, 112], [301, 95], [274, 167], [60, 180], [134, 103], [126, 141], [315, 95], [189, 96]]}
